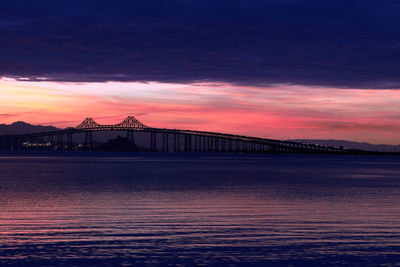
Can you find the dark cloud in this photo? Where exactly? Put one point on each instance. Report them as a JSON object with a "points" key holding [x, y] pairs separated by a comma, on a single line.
{"points": [[355, 126], [6, 115], [337, 43]]}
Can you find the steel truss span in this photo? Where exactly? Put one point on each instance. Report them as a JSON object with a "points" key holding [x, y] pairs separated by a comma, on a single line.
{"points": [[162, 140]]}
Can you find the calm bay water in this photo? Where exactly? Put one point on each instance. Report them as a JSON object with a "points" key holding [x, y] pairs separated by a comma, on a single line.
{"points": [[157, 209]]}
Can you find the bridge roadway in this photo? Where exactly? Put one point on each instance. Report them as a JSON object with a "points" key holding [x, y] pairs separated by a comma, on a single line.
{"points": [[171, 140]]}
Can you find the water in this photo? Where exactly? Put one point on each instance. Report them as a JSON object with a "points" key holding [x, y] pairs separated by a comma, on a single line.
{"points": [[157, 209]]}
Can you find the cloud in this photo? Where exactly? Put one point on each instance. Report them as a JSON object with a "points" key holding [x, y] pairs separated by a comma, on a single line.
{"points": [[6, 115], [371, 126], [336, 43]]}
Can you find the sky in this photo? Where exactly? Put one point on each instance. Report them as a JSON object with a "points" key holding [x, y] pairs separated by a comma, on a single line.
{"points": [[283, 69]]}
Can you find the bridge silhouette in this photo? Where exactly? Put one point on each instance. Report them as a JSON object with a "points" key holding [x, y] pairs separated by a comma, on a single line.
{"points": [[162, 139]]}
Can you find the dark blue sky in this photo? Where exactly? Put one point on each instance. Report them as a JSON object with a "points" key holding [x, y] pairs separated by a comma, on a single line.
{"points": [[337, 43]]}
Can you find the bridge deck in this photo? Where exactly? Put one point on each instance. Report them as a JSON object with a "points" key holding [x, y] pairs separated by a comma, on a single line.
{"points": [[215, 141]]}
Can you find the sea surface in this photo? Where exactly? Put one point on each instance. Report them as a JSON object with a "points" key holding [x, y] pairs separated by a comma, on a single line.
{"points": [[80, 209]]}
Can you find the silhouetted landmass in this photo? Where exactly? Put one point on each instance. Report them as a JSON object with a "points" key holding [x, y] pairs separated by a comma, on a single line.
{"points": [[351, 145], [21, 127], [118, 144]]}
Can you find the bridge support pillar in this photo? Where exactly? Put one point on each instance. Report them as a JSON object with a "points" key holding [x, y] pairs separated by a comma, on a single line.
{"points": [[230, 146], [41, 143], [60, 144], [210, 144], [51, 143], [177, 143], [196, 143], [153, 140], [165, 145], [245, 147], [69, 141], [31, 141], [223, 145], [188, 143], [199, 145], [185, 144], [13, 145], [19, 143], [130, 136], [9, 143], [88, 144], [3, 143]]}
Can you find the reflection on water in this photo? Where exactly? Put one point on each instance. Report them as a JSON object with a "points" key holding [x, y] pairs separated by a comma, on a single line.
{"points": [[180, 209]]}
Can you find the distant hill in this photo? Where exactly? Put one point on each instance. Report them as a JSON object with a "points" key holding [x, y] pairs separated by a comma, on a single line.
{"points": [[350, 144], [21, 127]]}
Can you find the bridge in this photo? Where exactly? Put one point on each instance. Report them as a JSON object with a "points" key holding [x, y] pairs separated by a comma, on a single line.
{"points": [[161, 139]]}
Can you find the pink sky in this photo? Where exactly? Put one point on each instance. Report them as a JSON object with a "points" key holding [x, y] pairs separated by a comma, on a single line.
{"points": [[281, 112]]}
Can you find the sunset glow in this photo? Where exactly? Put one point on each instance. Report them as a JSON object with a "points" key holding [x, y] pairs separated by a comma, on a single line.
{"points": [[282, 112]]}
